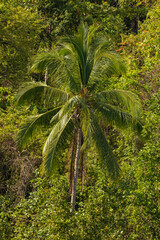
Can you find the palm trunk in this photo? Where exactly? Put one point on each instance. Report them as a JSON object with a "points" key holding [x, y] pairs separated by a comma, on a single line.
{"points": [[71, 172], [46, 76], [45, 80], [74, 186]]}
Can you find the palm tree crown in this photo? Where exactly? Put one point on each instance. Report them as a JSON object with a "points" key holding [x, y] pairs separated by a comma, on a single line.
{"points": [[72, 108]]}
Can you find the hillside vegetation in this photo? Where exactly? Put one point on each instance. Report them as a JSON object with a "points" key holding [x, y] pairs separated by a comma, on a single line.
{"points": [[112, 114]]}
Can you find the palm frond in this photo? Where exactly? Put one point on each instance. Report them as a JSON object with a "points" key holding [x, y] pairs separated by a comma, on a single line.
{"points": [[111, 61], [33, 125], [68, 108], [90, 53], [56, 64], [80, 56], [71, 75], [92, 34], [89, 67], [124, 99], [74, 84], [63, 126], [116, 116], [74, 52], [38, 92], [79, 51], [85, 125], [106, 156], [47, 59], [56, 144]]}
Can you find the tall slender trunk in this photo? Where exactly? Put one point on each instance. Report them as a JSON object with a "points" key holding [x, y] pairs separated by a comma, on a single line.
{"points": [[46, 76], [74, 186], [72, 156], [45, 80]]}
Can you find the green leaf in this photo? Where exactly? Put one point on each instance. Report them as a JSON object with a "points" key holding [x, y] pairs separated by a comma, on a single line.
{"points": [[114, 115], [56, 140], [56, 143], [123, 99], [40, 93], [33, 125], [106, 156]]}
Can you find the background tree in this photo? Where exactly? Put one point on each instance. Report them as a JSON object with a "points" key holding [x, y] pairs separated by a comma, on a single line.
{"points": [[19, 40]]}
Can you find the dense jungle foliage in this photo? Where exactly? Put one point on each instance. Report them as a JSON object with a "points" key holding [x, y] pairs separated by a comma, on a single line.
{"points": [[35, 206]]}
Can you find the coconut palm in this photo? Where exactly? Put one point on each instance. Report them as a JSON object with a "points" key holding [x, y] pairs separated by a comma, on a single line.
{"points": [[74, 108]]}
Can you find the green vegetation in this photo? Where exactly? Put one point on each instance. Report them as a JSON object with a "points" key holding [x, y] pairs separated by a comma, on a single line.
{"points": [[19, 39], [78, 95], [77, 62]]}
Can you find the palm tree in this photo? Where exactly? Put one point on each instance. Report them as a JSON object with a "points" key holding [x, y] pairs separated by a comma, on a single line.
{"points": [[73, 107]]}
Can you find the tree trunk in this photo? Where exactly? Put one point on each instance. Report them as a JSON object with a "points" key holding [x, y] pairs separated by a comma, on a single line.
{"points": [[74, 186], [46, 76], [45, 80], [72, 156]]}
